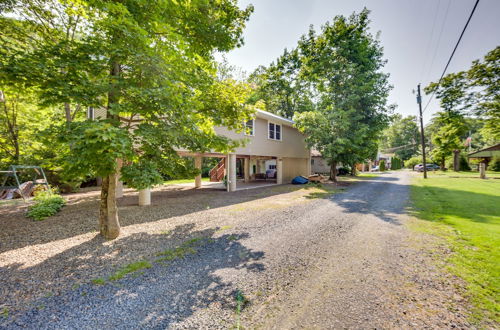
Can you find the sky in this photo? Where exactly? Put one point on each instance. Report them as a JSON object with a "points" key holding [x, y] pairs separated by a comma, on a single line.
{"points": [[418, 37]]}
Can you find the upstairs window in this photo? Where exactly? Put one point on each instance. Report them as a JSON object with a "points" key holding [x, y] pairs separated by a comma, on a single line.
{"points": [[275, 131], [249, 128]]}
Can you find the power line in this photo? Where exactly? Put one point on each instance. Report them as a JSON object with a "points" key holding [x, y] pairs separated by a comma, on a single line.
{"points": [[430, 40], [443, 24], [453, 53]]}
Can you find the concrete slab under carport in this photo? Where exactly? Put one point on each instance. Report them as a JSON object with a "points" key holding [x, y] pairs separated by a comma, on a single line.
{"points": [[240, 185]]}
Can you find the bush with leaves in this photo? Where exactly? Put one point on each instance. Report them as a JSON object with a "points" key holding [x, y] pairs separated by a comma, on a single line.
{"points": [[415, 160], [382, 165], [46, 205], [495, 164]]}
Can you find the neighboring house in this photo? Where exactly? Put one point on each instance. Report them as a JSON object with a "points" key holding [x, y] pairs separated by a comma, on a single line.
{"points": [[386, 157], [487, 154], [275, 151], [318, 164]]}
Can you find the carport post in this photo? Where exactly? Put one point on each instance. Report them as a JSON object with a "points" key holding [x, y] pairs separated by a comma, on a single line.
{"points": [[279, 171], [231, 172], [197, 164], [246, 169]]}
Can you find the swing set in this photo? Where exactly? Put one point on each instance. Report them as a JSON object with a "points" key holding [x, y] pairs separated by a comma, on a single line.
{"points": [[12, 183]]}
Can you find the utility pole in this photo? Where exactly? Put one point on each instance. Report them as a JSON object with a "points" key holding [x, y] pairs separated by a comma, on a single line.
{"points": [[422, 139]]}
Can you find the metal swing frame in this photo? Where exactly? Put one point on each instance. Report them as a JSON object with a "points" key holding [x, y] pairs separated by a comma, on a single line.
{"points": [[12, 172]]}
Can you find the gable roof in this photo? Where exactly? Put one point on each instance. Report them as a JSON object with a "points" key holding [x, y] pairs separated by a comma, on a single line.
{"points": [[274, 118], [486, 152]]}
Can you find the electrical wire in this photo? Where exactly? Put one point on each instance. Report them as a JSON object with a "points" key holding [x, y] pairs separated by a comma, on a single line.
{"points": [[443, 24], [430, 39], [453, 53]]}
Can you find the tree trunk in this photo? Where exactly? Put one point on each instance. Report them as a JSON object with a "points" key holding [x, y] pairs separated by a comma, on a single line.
{"points": [[456, 160], [67, 112], [333, 171], [109, 226]]}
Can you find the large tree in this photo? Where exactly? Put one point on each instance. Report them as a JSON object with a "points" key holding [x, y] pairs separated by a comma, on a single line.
{"points": [[150, 66], [280, 87], [343, 66], [401, 136], [484, 78]]}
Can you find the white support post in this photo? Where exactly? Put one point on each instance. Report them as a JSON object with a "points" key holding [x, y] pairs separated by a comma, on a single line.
{"points": [[197, 164], [246, 169], [231, 172], [279, 171], [145, 197]]}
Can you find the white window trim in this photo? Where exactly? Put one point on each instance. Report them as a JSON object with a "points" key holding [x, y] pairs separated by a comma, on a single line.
{"points": [[253, 128], [281, 131], [91, 113]]}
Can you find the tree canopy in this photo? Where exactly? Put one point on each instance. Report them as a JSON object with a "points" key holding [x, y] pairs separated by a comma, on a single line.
{"points": [[148, 64], [340, 67]]}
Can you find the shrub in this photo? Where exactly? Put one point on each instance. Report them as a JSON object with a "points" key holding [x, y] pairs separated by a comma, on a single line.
{"points": [[396, 163], [381, 166], [410, 163], [46, 205], [463, 164], [495, 164]]}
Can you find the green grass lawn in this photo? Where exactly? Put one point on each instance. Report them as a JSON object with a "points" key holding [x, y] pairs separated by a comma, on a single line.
{"points": [[168, 182], [465, 211]]}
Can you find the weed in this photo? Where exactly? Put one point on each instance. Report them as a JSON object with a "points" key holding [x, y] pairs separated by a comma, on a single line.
{"points": [[180, 252], [224, 228], [5, 312], [241, 301], [99, 281], [232, 238], [130, 268]]}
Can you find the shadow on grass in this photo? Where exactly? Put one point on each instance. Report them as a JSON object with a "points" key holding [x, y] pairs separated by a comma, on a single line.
{"points": [[433, 203], [156, 297]]}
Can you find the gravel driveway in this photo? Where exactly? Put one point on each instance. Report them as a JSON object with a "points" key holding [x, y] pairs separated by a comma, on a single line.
{"points": [[345, 260]]}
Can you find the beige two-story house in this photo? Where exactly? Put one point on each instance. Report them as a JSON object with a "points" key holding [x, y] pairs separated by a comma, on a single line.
{"points": [[274, 152]]}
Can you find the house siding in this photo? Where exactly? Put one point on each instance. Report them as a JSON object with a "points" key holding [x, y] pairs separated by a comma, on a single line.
{"points": [[292, 142], [293, 167]]}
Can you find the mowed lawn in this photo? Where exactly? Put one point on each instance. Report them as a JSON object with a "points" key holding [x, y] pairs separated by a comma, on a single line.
{"points": [[465, 211]]}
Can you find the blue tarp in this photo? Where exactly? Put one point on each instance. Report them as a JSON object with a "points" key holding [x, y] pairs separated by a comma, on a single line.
{"points": [[300, 180]]}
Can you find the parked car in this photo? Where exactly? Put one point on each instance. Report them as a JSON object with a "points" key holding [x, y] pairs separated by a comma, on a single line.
{"points": [[430, 167], [375, 168]]}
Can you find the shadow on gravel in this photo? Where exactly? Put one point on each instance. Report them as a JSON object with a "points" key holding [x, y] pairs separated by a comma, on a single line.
{"points": [[380, 196], [157, 297], [81, 214]]}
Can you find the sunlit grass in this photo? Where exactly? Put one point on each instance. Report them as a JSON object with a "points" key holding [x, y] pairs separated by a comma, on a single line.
{"points": [[465, 211]]}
